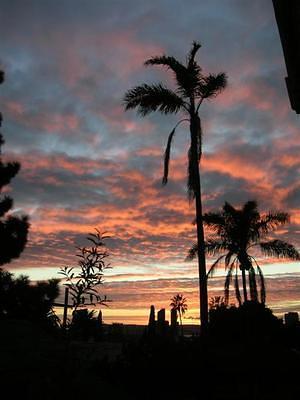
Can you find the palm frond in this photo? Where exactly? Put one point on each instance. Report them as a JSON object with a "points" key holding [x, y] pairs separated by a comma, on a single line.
{"points": [[280, 249], [149, 98], [169, 62], [215, 221], [213, 267], [228, 280], [228, 258], [272, 221], [187, 78], [212, 85], [229, 210], [212, 247], [262, 284], [194, 78], [168, 151], [237, 288], [192, 253], [192, 53], [167, 157]]}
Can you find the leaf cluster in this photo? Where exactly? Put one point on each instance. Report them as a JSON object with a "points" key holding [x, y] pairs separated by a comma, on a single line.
{"points": [[13, 229], [192, 87], [83, 282], [178, 303], [237, 231]]}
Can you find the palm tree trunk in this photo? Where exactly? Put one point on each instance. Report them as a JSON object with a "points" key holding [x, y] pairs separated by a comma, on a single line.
{"points": [[180, 319], [244, 284], [195, 130]]}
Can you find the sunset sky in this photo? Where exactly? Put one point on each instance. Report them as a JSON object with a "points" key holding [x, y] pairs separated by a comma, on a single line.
{"points": [[86, 163]]}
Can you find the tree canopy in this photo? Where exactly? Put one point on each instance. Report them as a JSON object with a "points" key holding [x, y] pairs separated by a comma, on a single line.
{"points": [[13, 229]]}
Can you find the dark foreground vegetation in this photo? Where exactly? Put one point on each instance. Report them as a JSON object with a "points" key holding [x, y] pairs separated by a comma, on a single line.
{"points": [[248, 353]]}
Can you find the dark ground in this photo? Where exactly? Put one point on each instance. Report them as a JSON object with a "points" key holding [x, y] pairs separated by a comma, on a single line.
{"points": [[36, 364]]}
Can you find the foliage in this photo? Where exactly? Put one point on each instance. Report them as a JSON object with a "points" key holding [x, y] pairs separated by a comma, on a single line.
{"points": [[237, 231], [216, 302], [20, 299], [178, 303], [252, 321], [192, 88], [13, 229], [84, 324], [83, 285]]}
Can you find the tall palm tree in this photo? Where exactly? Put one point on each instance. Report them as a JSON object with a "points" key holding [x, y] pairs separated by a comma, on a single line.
{"points": [[238, 232], [178, 303], [192, 88]]}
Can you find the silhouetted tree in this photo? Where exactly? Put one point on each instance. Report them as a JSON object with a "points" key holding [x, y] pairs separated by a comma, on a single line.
{"points": [[83, 285], [216, 302], [84, 324], [192, 88], [178, 303], [251, 323], [238, 232], [13, 229], [20, 299]]}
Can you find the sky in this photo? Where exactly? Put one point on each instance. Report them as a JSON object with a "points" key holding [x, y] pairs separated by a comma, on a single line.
{"points": [[87, 163]]}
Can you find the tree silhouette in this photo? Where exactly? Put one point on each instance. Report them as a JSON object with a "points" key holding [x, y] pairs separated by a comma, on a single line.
{"points": [[20, 299], [92, 263], [178, 303], [216, 302], [13, 229], [238, 232], [192, 88]]}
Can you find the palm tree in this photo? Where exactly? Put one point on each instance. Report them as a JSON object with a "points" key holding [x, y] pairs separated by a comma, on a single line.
{"points": [[238, 232], [178, 303], [192, 88]]}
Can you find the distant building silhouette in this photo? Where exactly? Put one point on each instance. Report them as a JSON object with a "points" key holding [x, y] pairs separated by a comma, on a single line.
{"points": [[161, 316], [174, 319], [159, 326], [162, 324], [152, 316], [152, 323]]}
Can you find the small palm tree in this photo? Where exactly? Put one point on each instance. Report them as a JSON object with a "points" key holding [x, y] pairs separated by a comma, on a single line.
{"points": [[216, 302], [239, 231], [178, 303], [192, 88]]}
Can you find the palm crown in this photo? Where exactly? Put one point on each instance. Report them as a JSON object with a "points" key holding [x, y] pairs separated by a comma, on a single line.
{"points": [[178, 303], [238, 231], [192, 87]]}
